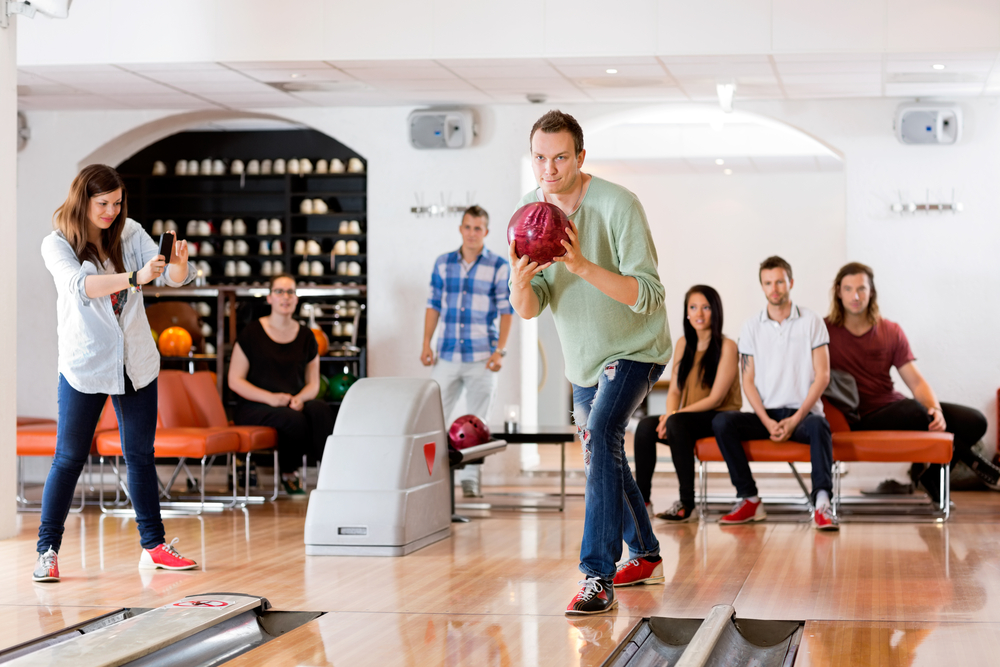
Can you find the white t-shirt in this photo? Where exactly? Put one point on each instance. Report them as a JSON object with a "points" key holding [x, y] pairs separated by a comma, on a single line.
{"points": [[782, 356]]}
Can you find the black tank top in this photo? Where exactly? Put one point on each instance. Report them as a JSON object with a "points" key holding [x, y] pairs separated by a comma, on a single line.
{"points": [[277, 367]]}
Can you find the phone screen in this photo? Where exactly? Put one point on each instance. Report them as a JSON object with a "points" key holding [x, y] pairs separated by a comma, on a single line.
{"points": [[166, 245]]}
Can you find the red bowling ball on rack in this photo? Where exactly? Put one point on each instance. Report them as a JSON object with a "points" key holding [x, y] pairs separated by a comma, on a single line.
{"points": [[468, 431], [536, 230]]}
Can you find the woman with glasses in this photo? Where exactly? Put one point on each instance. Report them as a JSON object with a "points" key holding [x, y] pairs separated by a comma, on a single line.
{"points": [[99, 260], [275, 372]]}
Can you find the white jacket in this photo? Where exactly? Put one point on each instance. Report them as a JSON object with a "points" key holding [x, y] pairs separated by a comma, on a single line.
{"points": [[95, 350]]}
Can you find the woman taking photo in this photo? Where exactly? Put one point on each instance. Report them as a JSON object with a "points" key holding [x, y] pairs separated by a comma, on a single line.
{"points": [[703, 383], [100, 260]]}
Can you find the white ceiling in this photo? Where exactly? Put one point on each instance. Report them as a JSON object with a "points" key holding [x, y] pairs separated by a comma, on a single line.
{"points": [[263, 85]]}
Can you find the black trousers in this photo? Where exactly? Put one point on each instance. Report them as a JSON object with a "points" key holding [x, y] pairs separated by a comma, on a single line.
{"points": [[683, 430], [967, 424], [732, 428], [299, 433]]}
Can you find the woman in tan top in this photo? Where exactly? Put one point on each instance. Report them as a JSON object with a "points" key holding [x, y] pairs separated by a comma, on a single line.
{"points": [[704, 382]]}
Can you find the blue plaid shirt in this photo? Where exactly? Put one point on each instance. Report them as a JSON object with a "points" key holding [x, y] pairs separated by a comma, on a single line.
{"points": [[470, 303]]}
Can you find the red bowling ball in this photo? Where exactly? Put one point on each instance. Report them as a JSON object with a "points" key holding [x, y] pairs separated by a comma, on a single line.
{"points": [[468, 431], [536, 230]]}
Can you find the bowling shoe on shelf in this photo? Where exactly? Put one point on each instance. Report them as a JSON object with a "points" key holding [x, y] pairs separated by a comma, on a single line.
{"points": [[639, 571], [47, 566], [165, 557], [262, 226], [265, 167]]}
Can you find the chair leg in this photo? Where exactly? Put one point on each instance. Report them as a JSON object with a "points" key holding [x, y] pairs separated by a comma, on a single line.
{"points": [[802, 484], [945, 486], [703, 483], [277, 477], [305, 473]]}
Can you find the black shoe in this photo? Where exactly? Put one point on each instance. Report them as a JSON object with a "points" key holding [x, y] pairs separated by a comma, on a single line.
{"points": [[596, 596], [890, 487], [679, 513]]}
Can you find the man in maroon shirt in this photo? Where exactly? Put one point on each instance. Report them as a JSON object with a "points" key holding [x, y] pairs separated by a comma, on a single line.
{"points": [[866, 345]]}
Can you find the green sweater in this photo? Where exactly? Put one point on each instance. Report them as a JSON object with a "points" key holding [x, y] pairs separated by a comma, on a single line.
{"points": [[594, 328]]}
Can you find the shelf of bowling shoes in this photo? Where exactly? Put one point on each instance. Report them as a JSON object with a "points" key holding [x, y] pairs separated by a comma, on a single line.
{"points": [[316, 194], [328, 235]]}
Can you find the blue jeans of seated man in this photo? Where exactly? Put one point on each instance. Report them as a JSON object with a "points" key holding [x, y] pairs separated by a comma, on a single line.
{"points": [[732, 428], [78, 417], [614, 505]]}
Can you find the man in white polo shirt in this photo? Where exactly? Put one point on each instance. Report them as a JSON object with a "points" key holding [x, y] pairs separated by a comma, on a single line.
{"points": [[785, 366]]}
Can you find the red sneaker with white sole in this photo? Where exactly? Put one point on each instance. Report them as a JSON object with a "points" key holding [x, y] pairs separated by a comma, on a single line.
{"points": [[47, 566], [165, 557], [596, 596], [823, 519], [745, 511], [639, 571]]}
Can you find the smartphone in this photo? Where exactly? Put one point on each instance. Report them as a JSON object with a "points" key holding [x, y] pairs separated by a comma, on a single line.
{"points": [[166, 245]]}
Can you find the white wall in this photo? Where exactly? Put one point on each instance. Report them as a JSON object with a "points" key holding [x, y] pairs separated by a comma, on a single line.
{"points": [[936, 274], [715, 230], [8, 260]]}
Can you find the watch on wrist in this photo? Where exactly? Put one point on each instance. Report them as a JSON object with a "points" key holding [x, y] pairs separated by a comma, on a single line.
{"points": [[502, 353]]}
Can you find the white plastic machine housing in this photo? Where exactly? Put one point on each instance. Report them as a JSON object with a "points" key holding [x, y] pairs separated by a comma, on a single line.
{"points": [[383, 486]]}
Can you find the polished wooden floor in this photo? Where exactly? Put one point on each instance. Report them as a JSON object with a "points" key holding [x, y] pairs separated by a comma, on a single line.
{"points": [[493, 594]]}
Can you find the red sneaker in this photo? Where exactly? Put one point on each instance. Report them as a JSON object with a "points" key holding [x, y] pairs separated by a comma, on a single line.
{"points": [[166, 557], [745, 512], [47, 566], [596, 596], [639, 571], [823, 519]]}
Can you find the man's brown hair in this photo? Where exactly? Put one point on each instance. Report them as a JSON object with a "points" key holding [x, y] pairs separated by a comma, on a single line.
{"points": [[836, 315], [557, 121], [477, 211], [775, 262]]}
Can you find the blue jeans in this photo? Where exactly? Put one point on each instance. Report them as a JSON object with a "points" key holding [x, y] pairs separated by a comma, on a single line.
{"points": [[614, 505], [732, 428], [78, 417]]}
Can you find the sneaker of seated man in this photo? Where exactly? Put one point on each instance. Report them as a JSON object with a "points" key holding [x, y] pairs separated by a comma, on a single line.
{"points": [[784, 366], [866, 345]]}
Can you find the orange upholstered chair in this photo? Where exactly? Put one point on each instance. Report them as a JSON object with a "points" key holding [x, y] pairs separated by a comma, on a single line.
{"points": [[177, 435], [36, 436], [206, 404]]}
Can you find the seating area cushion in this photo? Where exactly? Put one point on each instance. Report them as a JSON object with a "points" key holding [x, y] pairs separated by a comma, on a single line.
{"points": [[177, 442], [207, 409], [707, 449]]}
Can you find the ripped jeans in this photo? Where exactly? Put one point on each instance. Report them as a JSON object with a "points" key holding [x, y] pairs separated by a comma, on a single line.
{"points": [[614, 505]]}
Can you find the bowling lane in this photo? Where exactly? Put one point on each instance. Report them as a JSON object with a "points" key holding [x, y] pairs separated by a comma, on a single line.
{"points": [[888, 644], [877, 572], [21, 623], [352, 638]]}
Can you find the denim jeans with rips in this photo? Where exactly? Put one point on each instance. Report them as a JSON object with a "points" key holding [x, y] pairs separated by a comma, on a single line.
{"points": [[614, 506]]}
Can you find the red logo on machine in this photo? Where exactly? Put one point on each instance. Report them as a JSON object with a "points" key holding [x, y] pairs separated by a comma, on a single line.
{"points": [[212, 604], [429, 450]]}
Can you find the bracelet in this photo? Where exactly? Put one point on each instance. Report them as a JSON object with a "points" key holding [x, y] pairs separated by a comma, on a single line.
{"points": [[133, 281]]}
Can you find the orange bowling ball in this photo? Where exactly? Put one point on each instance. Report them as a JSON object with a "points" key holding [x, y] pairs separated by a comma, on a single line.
{"points": [[175, 342], [321, 340]]}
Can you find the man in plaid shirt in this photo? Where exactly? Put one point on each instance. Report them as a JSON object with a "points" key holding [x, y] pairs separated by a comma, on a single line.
{"points": [[469, 293]]}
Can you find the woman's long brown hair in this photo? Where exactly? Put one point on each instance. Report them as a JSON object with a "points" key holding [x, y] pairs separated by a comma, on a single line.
{"points": [[72, 217]]}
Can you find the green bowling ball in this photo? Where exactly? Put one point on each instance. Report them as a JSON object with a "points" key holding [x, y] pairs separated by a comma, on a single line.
{"points": [[339, 384]]}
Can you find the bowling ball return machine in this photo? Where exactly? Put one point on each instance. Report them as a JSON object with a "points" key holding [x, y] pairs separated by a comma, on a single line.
{"points": [[385, 486]]}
